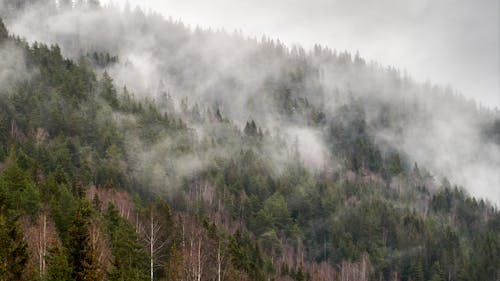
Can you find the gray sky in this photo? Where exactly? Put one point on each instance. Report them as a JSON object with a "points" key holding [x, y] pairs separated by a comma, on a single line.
{"points": [[446, 41]]}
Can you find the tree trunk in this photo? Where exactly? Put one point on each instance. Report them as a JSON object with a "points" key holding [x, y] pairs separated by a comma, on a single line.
{"points": [[219, 261], [199, 259], [151, 244], [44, 251], [42, 245]]}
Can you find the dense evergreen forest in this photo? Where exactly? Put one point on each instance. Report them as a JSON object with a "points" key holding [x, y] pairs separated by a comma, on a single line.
{"points": [[283, 165]]}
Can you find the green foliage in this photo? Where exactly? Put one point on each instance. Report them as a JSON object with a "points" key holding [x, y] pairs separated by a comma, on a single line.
{"points": [[130, 260], [251, 130], [351, 139], [83, 257], [247, 256], [59, 135], [102, 60], [61, 203], [436, 272], [4, 34], [174, 267], [19, 191], [108, 91], [274, 215], [59, 268], [13, 249]]}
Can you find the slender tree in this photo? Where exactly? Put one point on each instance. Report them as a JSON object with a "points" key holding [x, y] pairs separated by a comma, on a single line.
{"points": [[84, 253], [153, 236], [4, 34], [13, 249]]}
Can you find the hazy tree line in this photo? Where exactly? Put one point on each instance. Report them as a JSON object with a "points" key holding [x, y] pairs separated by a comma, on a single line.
{"points": [[86, 192]]}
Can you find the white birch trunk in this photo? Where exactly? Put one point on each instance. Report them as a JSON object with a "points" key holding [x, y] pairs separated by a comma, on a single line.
{"points": [[151, 247]]}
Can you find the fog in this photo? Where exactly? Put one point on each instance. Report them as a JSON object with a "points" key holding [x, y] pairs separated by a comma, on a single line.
{"points": [[455, 42], [204, 70], [13, 67]]}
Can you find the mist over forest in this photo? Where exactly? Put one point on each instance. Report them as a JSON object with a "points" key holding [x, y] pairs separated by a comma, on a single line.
{"points": [[135, 147]]}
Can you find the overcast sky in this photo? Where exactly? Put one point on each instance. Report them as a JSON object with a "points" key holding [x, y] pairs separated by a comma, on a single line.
{"points": [[446, 41]]}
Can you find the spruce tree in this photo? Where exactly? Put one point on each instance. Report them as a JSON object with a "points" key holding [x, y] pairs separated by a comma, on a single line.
{"points": [[59, 268], [82, 258], [130, 260], [436, 272], [13, 249], [108, 91], [4, 34]]}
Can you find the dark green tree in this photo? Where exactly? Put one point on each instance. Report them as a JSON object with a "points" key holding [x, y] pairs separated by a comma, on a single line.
{"points": [[83, 259], [13, 249], [436, 272], [108, 91], [59, 268], [130, 260], [4, 34]]}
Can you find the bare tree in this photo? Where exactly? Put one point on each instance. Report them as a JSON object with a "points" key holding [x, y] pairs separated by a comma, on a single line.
{"points": [[42, 245], [41, 235], [358, 271], [323, 272], [200, 252], [152, 236], [99, 245]]}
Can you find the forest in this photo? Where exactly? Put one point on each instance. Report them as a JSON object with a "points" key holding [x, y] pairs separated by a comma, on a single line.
{"points": [[274, 164]]}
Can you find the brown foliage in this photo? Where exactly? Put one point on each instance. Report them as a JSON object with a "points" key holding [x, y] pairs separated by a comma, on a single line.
{"points": [[120, 199], [41, 236]]}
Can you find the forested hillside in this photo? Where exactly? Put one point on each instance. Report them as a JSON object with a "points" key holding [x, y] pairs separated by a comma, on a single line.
{"points": [[158, 151]]}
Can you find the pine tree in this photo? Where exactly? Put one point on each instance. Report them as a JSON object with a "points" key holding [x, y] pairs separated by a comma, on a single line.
{"points": [[251, 129], [175, 264], [85, 264], [108, 91], [130, 260], [436, 272], [13, 249], [417, 271], [4, 34], [59, 268], [218, 115]]}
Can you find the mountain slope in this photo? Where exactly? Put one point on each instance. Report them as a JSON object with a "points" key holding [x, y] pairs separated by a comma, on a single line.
{"points": [[264, 163]]}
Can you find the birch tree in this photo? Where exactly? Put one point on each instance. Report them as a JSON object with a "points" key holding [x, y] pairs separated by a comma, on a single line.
{"points": [[41, 237], [153, 235]]}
